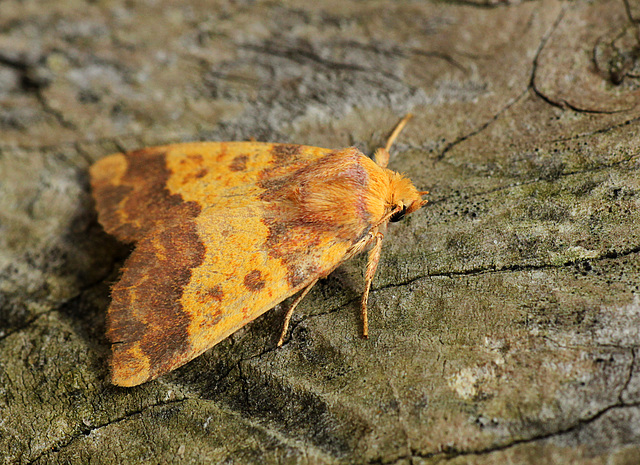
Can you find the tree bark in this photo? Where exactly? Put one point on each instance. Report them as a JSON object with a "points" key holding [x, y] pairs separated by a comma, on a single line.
{"points": [[505, 315]]}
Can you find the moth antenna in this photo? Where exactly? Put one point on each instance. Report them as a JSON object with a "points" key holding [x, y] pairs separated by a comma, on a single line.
{"points": [[403, 122], [381, 156]]}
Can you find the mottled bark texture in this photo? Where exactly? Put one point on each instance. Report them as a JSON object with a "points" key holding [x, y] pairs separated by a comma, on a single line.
{"points": [[505, 317]]}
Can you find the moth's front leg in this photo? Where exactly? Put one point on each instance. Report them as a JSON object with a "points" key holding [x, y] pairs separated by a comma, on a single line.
{"points": [[372, 265]]}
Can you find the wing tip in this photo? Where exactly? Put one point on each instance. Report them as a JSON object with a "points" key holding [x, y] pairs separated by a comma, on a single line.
{"points": [[129, 366]]}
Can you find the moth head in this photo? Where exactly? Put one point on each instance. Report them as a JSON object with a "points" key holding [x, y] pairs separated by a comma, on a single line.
{"points": [[404, 198]]}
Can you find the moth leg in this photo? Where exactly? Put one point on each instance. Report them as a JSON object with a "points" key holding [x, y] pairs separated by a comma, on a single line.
{"points": [[287, 317], [372, 264]]}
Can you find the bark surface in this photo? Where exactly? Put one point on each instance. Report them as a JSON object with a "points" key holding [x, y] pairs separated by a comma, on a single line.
{"points": [[505, 316]]}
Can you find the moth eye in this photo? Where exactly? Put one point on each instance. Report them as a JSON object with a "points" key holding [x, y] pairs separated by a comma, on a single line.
{"points": [[397, 216]]}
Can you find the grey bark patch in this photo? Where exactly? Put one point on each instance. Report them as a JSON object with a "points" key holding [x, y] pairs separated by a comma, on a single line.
{"points": [[502, 314]]}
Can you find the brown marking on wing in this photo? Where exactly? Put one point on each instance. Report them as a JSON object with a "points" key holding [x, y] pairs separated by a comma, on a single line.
{"points": [[239, 163], [131, 195], [254, 281], [322, 201], [201, 174], [146, 318], [284, 243], [145, 321], [194, 176], [285, 153], [192, 158], [215, 293]]}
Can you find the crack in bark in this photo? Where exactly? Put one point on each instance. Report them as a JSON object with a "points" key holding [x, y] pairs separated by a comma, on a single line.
{"points": [[629, 377], [301, 56], [84, 155], [632, 20], [562, 103], [27, 323], [482, 127], [31, 83], [243, 383], [536, 58], [488, 5], [511, 268], [452, 453], [398, 51], [86, 430], [60, 306], [57, 115], [471, 272], [598, 131], [530, 86], [596, 169]]}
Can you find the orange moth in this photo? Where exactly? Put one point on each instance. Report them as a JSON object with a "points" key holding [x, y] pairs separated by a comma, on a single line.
{"points": [[224, 231]]}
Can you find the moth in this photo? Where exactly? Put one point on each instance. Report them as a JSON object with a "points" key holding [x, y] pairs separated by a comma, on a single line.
{"points": [[224, 231]]}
